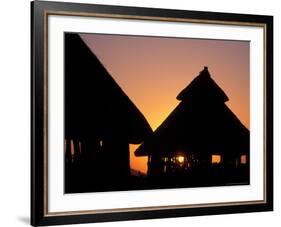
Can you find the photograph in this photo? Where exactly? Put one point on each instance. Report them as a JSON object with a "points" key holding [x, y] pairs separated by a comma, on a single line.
{"points": [[142, 113], [153, 112]]}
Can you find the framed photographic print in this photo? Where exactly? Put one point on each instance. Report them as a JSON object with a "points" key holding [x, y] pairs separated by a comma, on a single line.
{"points": [[144, 113]]}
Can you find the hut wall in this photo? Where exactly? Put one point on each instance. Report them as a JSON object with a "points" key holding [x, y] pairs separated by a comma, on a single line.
{"points": [[116, 157], [155, 165]]}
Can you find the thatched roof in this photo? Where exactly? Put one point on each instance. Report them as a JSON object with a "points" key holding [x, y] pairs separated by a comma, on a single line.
{"points": [[203, 87], [94, 103], [202, 122]]}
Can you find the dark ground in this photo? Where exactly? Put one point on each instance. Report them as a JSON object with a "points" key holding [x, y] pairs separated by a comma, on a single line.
{"points": [[76, 183]]}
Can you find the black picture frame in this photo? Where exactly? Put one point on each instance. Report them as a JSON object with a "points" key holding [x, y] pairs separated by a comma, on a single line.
{"points": [[39, 125]]}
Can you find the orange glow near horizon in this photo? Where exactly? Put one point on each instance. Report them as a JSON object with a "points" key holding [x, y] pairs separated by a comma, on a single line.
{"points": [[180, 159], [216, 159], [243, 159], [72, 147], [152, 71], [137, 163]]}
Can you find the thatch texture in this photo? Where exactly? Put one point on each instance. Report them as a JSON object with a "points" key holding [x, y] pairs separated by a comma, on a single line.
{"points": [[95, 106], [203, 87], [202, 124]]}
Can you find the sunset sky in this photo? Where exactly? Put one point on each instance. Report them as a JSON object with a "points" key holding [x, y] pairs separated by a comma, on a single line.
{"points": [[152, 71]]}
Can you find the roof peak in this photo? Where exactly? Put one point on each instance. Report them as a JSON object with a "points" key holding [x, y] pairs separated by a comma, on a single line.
{"points": [[205, 72], [202, 87]]}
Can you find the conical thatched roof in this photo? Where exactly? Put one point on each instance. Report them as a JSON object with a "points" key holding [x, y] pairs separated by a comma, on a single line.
{"points": [[200, 123], [94, 103], [203, 87]]}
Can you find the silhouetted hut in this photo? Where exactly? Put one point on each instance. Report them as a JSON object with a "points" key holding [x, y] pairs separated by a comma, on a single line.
{"points": [[99, 117], [200, 133]]}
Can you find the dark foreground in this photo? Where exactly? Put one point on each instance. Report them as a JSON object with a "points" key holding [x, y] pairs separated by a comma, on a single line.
{"points": [[75, 183]]}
